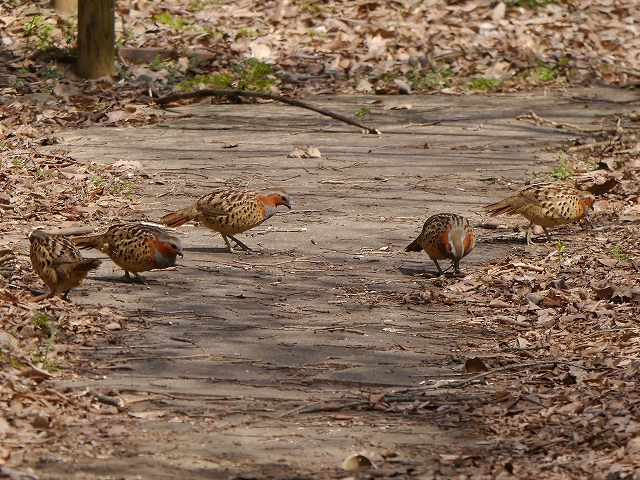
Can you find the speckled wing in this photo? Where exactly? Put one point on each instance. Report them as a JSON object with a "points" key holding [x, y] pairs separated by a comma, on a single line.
{"points": [[57, 261], [231, 211], [132, 246], [53, 249], [220, 202], [434, 226], [549, 205]]}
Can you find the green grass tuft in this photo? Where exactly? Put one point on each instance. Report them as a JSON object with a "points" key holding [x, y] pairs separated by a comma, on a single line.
{"points": [[246, 32], [546, 73], [250, 75], [430, 79], [484, 84], [362, 112], [619, 254], [39, 29], [562, 171], [42, 322], [175, 22]]}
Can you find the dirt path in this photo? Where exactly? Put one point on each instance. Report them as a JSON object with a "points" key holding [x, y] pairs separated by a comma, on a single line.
{"points": [[216, 352]]}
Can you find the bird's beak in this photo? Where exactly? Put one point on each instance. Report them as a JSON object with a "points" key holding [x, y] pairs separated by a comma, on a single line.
{"points": [[287, 204]]}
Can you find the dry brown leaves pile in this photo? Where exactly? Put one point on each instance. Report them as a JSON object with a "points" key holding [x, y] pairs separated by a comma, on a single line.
{"points": [[567, 403], [391, 46], [39, 341], [575, 304], [319, 47], [42, 185]]}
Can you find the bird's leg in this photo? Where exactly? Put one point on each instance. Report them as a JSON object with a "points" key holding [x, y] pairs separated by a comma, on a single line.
{"points": [[226, 240], [546, 234], [528, 237], [129, 279], [240, 244], [456, 266], [440, 271], [49, 294]]}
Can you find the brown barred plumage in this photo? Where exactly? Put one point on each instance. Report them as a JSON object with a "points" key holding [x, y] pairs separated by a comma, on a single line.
{"points": [[58, 263], [135, 247], [445, 235], [547, 205], [229, 212]]}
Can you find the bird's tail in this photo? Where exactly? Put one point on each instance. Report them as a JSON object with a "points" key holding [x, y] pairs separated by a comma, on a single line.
{"points": [[87, 264], [503, 207], [88, 241], [180, 217], [414, 246], [79, 267]]}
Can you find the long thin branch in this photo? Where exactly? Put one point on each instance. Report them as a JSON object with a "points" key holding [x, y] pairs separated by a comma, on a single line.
{"points": [[173, 97], [405, 394], [576, 129], [324, 407]]}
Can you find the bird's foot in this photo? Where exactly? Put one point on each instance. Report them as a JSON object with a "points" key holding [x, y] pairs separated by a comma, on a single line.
{"points": [[240, 244], [135, 279], [43, 296]]}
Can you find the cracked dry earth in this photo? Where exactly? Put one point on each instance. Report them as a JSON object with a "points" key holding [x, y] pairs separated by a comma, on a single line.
{"points": [[217, 355]]}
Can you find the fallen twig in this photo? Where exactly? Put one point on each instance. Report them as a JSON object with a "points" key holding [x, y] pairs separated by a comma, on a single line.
{"points": [[207, 92], [324, 407], [590, 146], [583, 99], [10, 473], [165, 357], [339, 329], [404, 395], [183, 339], [538, 120], [114, 402], [510, 321], [483, 375], [630, 71], [528, 266]]}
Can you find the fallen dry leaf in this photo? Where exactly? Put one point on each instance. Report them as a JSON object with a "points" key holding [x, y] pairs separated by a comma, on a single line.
{"points": [[305, 152]]}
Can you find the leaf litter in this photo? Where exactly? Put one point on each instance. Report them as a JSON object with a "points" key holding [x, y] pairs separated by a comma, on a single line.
{"points": [[39, 341], [560, 352], [315, 47], [564, 382]]}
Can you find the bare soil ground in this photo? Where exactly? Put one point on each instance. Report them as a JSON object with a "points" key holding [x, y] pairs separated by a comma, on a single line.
{"points": [[217, 355]]}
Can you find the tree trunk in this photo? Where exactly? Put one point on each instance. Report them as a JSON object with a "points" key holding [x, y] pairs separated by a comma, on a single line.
{"points": [[65, 7], [96, 38]]}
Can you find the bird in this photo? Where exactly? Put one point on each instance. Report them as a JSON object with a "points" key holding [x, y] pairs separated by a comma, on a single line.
{"points": [[135, 247], [230, 211], [445, 235], [545, 204], [58, 263]]}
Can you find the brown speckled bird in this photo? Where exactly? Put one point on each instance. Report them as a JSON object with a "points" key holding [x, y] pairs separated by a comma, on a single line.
{"points": [[445, 235], [548, 205], [135, 247], [58, 263], [229, 212]]}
